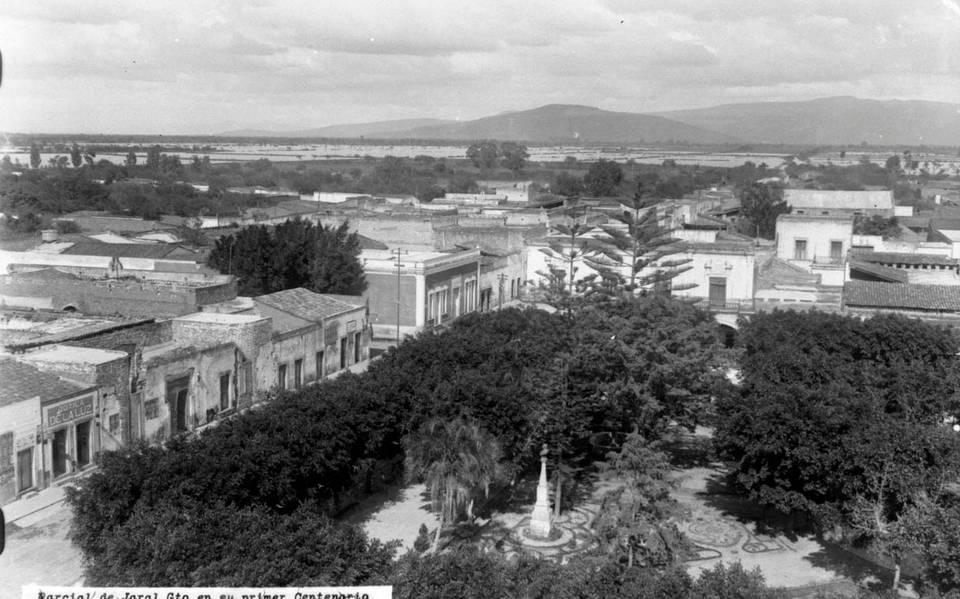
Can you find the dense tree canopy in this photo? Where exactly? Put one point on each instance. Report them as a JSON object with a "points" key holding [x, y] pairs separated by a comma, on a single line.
{"points": [[843, 419], [297, 253], [513, 156], [760, 205], [888, 228], [483, 154], [469, 573], [603, 178]]}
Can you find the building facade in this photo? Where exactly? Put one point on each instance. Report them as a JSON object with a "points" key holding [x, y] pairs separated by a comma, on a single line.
{"points": [[412, 291]]}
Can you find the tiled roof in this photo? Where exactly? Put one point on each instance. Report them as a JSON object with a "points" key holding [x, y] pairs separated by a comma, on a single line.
{"points": [[305, 304], [904, 258], [121, 250], [870, 294], [368, 243], [19, 381], [883, 272]]}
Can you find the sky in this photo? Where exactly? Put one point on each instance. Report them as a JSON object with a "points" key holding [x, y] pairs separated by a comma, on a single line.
{"points": [[203, 67]]}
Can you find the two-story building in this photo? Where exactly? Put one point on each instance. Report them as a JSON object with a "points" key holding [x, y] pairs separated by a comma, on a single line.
{"points": [[412, 291], [816, 243], [818, 202]]}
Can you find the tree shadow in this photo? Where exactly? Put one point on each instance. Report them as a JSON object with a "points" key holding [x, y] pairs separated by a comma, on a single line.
{"points": [[690, 451], [851, 566], [485, 534], [722, 493]]}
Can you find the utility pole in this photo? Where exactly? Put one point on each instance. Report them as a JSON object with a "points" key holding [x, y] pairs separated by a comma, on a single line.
{"points": [[398, 252]]}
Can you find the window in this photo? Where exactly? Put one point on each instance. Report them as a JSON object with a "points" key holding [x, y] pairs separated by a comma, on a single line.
{"points": [[225, 391], [836, 250], [437, 306], [114, 424], [356, 347], [298, 373], [319, 365], [513, 288], [343, 353], [470, 290], [800, 249], [151, 408], [282, 377]]}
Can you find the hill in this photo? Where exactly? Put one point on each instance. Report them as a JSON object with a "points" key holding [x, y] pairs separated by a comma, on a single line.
{"points": [[560, 123], [832, 121]]}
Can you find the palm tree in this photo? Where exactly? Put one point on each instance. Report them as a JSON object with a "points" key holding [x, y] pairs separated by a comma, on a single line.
{"points": [[455, 459]]}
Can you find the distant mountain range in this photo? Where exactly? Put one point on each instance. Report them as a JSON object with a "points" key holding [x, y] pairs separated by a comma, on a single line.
{"points": [[827, 121]]}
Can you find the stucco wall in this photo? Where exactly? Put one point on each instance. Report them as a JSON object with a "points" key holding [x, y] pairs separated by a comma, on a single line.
{"points": [[19, 423], [818, 234], [381, 292], [203, 369], [736, 269]]}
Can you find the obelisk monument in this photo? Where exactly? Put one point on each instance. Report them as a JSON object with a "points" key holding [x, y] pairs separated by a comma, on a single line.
{"points": [[540, 519]]}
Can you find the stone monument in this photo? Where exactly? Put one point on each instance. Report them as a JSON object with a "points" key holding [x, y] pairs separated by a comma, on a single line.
{"points": [[540, 519]]}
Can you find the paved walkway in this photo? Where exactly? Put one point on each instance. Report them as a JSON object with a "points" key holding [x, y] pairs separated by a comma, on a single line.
{"points": [[38, 550], [395, 515], [723, 525]]}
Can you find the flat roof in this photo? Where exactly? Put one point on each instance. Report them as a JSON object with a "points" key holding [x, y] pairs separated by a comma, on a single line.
{"points": [[817, 217], [71, 354], [220, 318]]}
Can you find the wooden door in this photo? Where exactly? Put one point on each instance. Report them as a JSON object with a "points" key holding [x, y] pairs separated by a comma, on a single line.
{"points": [[718, 292]]}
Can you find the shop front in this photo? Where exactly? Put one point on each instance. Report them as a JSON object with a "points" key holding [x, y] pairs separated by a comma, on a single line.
{"points": [[69, 442]]}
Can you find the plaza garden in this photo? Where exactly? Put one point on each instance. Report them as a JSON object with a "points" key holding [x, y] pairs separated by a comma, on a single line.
{"points": [[664, 478]]}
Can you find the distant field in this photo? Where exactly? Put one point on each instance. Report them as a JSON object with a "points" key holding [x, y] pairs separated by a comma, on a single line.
{"points": [[223, 153]]}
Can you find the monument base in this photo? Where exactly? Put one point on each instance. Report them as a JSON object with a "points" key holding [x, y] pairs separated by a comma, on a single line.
{"points": [[540, 522]]}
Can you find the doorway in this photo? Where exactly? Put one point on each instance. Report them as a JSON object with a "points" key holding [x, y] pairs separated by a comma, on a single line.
{"points": [[181, 410], [24, 470], [59, 449], [718, 292], [83, 444]]}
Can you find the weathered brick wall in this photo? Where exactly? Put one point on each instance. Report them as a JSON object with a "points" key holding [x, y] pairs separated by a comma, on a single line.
{"points": [[127, 339], [501, 240], [254, 341], [121, 296]]}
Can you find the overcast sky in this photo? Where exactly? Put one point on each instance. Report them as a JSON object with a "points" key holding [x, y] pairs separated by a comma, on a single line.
{"points": [[196, 66]]}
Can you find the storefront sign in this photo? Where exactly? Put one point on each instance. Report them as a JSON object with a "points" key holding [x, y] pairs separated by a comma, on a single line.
{"points": [[70, 410]]}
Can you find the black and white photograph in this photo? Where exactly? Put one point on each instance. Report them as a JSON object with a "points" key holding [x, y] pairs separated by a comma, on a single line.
{"points": [[534, 299]]}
